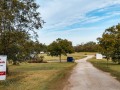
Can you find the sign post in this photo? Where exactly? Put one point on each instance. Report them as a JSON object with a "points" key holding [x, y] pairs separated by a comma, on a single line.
{"points": [[3, 59]]}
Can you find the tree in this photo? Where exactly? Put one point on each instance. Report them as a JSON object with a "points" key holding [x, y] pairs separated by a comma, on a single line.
{"points": [[19, 46], [38, 47], [19, 15], [116, 54], [110, 43], [59, 47], [13, 42]]}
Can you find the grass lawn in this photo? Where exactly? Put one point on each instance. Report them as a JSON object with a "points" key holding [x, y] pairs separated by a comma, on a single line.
{"points": [[112, 68], [76, 56], [39, 76]]}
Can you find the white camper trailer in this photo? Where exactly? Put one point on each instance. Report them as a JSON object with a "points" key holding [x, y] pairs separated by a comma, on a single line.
{"points": [[99, 56]]}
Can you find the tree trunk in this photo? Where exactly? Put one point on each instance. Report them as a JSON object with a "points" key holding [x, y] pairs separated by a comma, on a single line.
{"points": [[7, 68], [60, 57], [107, 62]]}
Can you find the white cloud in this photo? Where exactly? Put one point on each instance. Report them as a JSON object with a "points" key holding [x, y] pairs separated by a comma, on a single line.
{"points": [[58, 13], [63, 13], [62, 8]]}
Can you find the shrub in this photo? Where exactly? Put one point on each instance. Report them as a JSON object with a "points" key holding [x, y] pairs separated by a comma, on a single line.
{"points": [[38, 60]]}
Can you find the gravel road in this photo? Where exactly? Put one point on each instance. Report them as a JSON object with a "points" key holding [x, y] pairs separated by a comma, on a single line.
{"points": [[86, 77]]}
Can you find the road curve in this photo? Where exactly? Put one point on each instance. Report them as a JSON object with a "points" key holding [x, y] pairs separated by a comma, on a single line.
{"points": [[86, 77]]}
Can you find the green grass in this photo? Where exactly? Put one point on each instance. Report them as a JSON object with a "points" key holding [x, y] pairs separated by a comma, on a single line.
{"points": [[76, 56], [38, 76], [112, 68]]}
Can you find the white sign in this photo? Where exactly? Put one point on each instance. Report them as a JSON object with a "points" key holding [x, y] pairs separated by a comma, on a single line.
{"points": [[99, 56], [3, 59]]}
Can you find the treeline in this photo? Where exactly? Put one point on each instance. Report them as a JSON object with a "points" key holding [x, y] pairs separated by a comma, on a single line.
{"points": [[87, 47], [109, 43]]}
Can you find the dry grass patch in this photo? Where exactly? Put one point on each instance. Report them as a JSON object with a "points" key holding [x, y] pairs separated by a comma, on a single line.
{"points": [[76, 56], [34, 76]]}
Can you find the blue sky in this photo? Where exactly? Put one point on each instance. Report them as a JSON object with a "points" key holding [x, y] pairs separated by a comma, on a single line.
{"points": [[79, 21]]}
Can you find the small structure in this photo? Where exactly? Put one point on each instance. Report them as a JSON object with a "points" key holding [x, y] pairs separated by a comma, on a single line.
{"points": [[99, 56]]}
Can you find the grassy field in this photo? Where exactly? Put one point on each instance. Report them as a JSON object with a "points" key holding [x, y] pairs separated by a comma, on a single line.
{"points": [[76, 56], [40, 76], [112, 68]]}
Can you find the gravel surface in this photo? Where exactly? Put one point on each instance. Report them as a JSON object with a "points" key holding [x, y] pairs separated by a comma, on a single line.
{"points": [[86, 77]]}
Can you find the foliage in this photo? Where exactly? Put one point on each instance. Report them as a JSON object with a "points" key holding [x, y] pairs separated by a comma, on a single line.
{"points": [[87, 47], [110, 43], [59, 47], [37, 59], [41, 58], [11, 43], [19, 15], [19, 46], [18, 21]]}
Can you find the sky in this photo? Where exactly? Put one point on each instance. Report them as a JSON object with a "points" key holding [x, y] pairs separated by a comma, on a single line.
{"points": [[79, 21]]}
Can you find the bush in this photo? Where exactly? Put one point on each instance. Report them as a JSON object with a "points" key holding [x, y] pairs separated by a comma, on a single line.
{"points": [[35, 61], [16, 63], [38, 60]]}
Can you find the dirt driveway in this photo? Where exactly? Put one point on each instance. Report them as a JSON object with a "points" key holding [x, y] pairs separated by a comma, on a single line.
{"points": [[86, 77]]}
